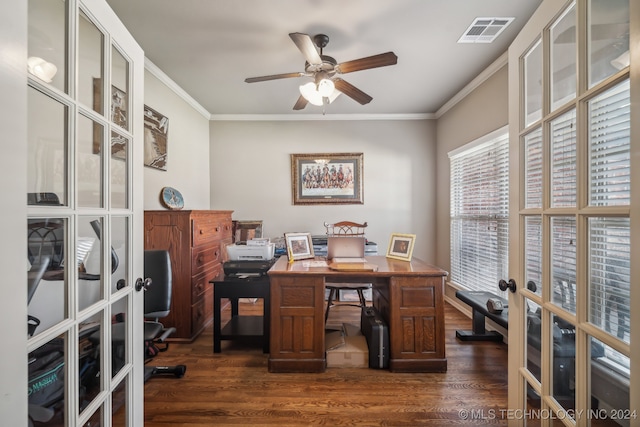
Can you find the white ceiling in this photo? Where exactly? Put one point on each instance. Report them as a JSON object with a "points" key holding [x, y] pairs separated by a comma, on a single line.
{"points": [[208, 47]]}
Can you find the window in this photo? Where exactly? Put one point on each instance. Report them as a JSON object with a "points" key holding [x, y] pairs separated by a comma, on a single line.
{"points": [[480, 212]]}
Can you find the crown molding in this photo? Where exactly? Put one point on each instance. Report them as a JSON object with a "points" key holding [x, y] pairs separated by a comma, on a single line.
{"points": [[326, 117], [481, 78], [160, 75]]}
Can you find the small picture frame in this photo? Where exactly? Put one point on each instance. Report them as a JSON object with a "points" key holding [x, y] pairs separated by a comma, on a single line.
{"points": [[401, 246], [299, 245]]}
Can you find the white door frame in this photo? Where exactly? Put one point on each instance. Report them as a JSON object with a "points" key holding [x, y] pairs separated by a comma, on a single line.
{"points": [[13, 304]]}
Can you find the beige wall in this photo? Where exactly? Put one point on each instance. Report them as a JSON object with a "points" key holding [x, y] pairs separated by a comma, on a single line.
{"points": [[481, 112], [244, 166], [187, 149], [251, 174]]}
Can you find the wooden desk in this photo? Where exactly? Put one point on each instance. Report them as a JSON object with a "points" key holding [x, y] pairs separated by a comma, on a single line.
{"points": [[410, 296]]}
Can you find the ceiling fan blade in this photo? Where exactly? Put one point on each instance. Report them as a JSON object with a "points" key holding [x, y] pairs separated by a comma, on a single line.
{"points": [[273, 77], [351, 91], [300, 103], [307, 47], [375, 61]]}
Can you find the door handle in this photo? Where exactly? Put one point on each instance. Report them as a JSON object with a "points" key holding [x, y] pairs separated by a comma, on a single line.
{"points": [[143, 284], [503, 285]]}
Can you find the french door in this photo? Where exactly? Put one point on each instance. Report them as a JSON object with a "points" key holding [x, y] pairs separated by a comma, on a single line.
{"points": [[84, 216], [574, 142]]}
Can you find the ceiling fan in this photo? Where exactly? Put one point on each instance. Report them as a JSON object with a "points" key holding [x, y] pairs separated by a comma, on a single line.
{"points": [[323, 69]]}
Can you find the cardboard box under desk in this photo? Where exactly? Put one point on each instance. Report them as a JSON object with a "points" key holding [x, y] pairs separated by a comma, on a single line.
{"points": [[347, 348]]}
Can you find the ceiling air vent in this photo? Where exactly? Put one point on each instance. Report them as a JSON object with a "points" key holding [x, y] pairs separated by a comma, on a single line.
{"points": [[484, 30]]}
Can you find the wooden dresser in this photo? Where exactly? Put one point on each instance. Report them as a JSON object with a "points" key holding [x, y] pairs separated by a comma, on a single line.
{"points": [[195, 240]]}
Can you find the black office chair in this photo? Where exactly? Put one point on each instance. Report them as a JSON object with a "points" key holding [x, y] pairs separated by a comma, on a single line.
{"points": [[157, 304], [345, 228], [34, 276]]}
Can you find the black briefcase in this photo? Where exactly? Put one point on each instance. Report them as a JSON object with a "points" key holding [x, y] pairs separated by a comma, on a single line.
{"points": [[376, 331]]}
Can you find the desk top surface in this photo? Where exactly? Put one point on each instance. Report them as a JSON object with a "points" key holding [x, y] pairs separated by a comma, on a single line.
{"points": [[382, 267]]}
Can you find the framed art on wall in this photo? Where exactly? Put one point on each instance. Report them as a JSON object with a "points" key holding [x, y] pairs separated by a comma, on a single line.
{"points": [[401, 246], [119, 116], [329, 178], [156, 129]]}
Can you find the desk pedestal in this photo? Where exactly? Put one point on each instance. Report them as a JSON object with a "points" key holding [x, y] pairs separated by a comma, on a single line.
{"points": [[409, 295]]}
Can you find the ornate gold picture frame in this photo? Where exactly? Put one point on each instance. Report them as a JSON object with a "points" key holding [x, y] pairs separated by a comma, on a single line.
{"points": [[327, 178]]}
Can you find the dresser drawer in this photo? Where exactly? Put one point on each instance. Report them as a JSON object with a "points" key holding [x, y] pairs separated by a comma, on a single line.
{"points": [[200, 283], [199, 316], [204, 257], [227, 228], [207, 229]]}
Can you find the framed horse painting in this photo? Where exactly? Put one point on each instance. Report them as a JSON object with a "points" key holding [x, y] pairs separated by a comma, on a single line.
{"points": [[327, 178]]}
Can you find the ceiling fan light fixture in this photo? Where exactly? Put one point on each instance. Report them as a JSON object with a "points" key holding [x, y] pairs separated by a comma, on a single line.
{"points": [[621, 61], [316, 94], [326, 87], [311, 94], [42, 69]]}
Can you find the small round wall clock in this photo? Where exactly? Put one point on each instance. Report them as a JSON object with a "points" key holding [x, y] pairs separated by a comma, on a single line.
{"points": [[172, 198]]}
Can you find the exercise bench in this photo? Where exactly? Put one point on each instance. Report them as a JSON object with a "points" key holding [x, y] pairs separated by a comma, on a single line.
{"points": [[477, 300]]}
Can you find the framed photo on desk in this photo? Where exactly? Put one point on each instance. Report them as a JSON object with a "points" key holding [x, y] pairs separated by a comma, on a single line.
{"points": [[401, 246], [299, 245]]}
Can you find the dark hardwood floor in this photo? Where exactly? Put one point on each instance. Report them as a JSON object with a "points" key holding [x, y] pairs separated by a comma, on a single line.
{"points": [[234, 388]]}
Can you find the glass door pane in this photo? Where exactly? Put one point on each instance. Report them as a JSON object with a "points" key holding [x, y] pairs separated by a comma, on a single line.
{"points": [[90, 64], [563, 36], [47, 383], [609, 147], [47, 147], [610, 278], [533, 253], [90, 148], [120, 234], [533, 169], [89, 261], [47, 280], [119, 89], [608, 38], [119, 170], [47, 53], [563, 262], [533, 85], [563, 160]]}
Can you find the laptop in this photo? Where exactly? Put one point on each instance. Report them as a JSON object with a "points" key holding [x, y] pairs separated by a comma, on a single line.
{"points": [[346, 249]]}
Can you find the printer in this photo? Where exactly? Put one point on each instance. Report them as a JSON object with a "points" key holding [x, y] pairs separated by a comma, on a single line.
{"points": [[255, 252], [247, 268]]}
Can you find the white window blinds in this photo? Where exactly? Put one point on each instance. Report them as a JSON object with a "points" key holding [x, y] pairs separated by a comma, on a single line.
{"points": [[479, 213], [610, 185]]}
